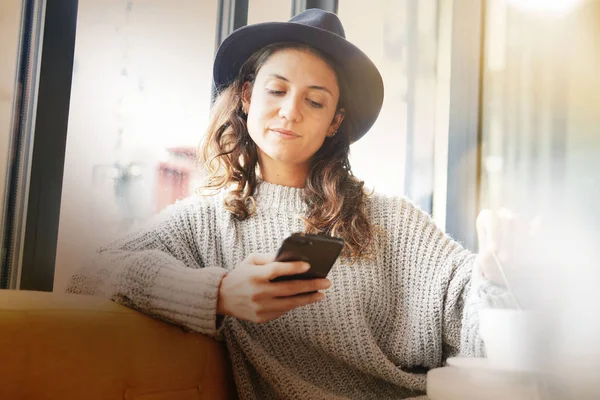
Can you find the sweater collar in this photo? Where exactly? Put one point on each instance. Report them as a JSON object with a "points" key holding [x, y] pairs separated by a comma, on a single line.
{"points": [[283, 199]]}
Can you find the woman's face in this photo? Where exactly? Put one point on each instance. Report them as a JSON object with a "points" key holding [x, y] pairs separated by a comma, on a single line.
{"points": [[292, 106]]}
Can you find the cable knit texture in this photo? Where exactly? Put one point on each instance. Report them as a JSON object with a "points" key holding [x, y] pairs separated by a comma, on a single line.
{"points": [[383, 323]]}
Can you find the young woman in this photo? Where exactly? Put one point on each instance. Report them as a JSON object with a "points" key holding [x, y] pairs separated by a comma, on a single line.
{"points": [[402, 298]]}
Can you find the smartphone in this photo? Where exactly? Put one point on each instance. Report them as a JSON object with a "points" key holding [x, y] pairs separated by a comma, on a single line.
{"points": [[319, 251]]}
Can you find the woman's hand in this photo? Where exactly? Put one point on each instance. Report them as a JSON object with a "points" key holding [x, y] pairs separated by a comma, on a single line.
{"points": [[247, 292]]}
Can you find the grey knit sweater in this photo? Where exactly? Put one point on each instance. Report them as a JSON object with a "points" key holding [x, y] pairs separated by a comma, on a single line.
{"points": [[383, 323]]}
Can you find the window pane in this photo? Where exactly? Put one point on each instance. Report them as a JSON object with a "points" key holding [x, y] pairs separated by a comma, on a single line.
{"points": [[401, 39], [139, 104], [10, 95], [9, 43], [540, 158], [540, 109], [269, 10]]}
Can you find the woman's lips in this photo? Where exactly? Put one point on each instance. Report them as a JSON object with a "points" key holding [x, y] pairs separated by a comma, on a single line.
{"points": [[284, 133]]}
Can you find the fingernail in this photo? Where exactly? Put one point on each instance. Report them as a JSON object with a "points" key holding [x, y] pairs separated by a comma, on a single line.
{"points": [[305, 266]]}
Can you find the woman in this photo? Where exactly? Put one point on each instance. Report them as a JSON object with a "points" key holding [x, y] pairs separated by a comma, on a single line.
{"points": [[401, 299]]}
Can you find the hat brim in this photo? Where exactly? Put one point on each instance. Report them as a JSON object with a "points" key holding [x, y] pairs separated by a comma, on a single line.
{"points": [[364, 80]]}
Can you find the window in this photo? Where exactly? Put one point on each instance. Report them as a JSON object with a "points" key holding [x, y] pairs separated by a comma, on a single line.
{"points": [[269, 10], [402, 41], [139, 102], [540, 115], [141, 95], [540, 141]]}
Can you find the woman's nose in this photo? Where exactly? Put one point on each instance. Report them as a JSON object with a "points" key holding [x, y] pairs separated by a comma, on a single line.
{"points": [[290, 109]]}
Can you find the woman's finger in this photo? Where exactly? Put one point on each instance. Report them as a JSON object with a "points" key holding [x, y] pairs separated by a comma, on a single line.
{"points": [[293, 288], [285, 304], [277, 269], [261, 259]]}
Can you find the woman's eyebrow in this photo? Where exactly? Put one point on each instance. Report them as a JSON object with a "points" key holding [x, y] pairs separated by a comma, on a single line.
{"points": [[316, 87]]}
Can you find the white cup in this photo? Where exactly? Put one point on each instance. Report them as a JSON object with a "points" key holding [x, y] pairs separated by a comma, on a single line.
{"points": [[513, 339]]}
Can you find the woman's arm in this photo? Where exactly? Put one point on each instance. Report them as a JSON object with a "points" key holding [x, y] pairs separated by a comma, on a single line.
{"points": [[478, 293], [442, 288], [169, 269], [468, 291]]}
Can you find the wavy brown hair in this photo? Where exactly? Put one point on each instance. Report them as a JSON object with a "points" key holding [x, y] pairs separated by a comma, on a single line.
{"points": [[335, 197]]}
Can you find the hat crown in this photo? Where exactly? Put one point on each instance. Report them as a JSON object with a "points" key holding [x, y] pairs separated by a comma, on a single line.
{"points": [[321, 19]]}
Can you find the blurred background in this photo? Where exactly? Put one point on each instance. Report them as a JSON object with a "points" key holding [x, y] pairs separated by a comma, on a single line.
{"points": [[488, 104]]}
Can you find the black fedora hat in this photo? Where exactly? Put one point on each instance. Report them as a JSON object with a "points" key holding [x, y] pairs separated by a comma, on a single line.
{"points": [[321, 30]]}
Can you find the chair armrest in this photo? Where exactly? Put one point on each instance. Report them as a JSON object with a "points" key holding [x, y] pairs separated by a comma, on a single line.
{"points": [[67, 346]]}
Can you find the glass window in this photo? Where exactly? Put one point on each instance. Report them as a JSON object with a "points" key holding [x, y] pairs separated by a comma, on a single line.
{"points": [[140, 101], [141, 97], [11, 93], [269, 10], [402, 40], [540, 104], [541, 141], [9, 41]]}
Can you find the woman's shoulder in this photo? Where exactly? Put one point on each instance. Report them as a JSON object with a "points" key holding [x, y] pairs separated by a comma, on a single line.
{"points": [[393, 206], [192, 206], [398, 216]]}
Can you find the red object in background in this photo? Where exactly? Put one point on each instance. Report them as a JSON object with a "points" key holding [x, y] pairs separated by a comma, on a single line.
{"points": [[174, 176]]}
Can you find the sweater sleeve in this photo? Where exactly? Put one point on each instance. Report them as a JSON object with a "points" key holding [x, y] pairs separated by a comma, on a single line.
{"points": [[169, 269], [443, 289], [479, 293], [466, 291]]}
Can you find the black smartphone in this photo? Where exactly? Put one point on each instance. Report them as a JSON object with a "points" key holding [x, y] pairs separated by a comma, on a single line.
{"points": [[319, 251]]}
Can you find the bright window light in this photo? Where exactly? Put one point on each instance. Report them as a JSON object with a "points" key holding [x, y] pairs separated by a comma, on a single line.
{"points": [[545, 6]]}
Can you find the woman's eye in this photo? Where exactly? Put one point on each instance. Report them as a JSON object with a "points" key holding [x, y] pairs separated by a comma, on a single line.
{"points": [[315, 104], [275, 92]]}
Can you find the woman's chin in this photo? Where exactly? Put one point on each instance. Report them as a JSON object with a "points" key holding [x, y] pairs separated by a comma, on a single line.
{"points": [[283, 154], [279, 153], [284, 157]]}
